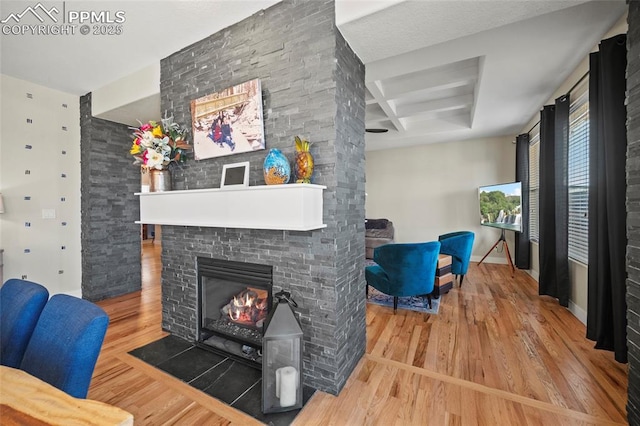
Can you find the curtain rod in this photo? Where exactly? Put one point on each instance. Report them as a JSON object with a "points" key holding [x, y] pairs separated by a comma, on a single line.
{"points": [[578, 83], [534, 126], [568, 93]]}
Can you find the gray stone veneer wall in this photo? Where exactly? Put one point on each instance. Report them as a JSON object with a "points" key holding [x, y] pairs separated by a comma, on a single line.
{"points": [[633, 211], [110, 239], [350, 191], [312, 86]]}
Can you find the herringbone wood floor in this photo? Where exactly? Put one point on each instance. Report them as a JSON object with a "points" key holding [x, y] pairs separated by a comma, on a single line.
{"points": [[496, 354]]}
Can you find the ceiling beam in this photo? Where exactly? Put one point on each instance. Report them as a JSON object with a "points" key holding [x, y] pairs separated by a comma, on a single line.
{"points": [[438, 105], [430, 81], [387, 106]]}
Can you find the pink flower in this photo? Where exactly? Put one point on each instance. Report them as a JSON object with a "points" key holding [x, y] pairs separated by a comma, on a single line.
{"points": [[158, 144]]}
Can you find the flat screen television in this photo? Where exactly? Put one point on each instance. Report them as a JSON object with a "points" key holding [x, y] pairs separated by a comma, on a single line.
{"points": [[501, 206]]}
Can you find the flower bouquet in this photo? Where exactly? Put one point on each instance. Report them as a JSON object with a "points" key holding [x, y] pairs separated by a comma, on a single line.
{"points": [[157, 145]]}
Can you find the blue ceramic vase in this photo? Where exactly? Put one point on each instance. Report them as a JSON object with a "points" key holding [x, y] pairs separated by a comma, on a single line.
{"points": [[276, 168]]}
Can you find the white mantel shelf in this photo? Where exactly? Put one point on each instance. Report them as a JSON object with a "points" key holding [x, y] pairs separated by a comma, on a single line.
{"points": [[293, 207]]}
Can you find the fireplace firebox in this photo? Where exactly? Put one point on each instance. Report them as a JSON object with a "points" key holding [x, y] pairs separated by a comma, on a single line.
{"points": [[234, 300]]}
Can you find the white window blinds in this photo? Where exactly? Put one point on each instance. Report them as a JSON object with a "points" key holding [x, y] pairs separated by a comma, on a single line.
{"points": [[578, 174], [534, 173]]}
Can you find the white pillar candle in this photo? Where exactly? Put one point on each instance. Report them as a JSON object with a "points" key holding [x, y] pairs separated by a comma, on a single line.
{"points": [[287, 385]]}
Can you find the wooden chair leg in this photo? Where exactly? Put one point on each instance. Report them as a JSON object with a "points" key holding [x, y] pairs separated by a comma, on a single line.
{"points": [[429, 297], [395, 304], [461, 279]]}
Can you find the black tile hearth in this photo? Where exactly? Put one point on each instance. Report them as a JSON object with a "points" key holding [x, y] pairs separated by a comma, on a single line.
{"points": [[230, 381], [161, 350], [190, 364], [213, 376], [236, 379]]}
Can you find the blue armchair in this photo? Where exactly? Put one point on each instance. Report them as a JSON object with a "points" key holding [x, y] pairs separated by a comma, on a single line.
{"points": [[404, 270], [21, 303], [66, 343], [458, 245]]}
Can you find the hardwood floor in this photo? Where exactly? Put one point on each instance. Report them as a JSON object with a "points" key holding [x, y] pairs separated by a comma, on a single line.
{"points": [[496, 354]]}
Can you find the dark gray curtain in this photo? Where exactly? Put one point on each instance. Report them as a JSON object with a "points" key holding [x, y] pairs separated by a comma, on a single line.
{"points": [[554, 201], [523, 245], [606, 314]]}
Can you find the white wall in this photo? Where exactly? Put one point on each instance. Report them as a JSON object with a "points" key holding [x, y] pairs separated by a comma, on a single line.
{"points": [[129, 99], [36, 251], [433, 189]]}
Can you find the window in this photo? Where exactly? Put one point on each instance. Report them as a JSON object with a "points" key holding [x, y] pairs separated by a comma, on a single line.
{"points": [[534, 173], [578, 176]]}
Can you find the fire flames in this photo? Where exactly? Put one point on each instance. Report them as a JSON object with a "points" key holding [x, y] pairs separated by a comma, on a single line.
{"points": [[248, 307]]}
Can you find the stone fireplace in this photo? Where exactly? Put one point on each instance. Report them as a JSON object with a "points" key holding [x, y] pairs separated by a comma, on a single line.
{"points": [[234, 300], [313, 86]]}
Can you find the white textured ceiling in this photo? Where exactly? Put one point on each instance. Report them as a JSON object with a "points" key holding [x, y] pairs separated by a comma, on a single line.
{"points": [[435, 70], [457, 70], [153, 30]]}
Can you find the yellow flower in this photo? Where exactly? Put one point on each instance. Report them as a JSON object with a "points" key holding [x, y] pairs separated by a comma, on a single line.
{"points": [[157, 131], [135, 149], [154, 145]]}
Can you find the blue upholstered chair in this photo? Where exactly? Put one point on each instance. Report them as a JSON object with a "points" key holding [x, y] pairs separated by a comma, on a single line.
{"points": [[66, 343], [458, 245], [21, 303], [404, 270]]}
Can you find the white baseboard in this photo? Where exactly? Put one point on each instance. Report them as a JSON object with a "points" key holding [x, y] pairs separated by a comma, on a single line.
{"points": [[578, 312], [490, 259]]}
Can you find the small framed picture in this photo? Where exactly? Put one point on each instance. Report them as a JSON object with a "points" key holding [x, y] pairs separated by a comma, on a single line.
{"points": [[236, 174]]}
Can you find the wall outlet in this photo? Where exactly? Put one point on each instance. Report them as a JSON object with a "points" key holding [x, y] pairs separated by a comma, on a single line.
{"points": [[48, 213]]}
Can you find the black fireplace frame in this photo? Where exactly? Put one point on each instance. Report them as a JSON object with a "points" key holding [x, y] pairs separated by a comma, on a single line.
{"points": [[241, 272]]}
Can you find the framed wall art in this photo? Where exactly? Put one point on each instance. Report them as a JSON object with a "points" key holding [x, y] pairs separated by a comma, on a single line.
{"points": [[228, 122], [236, 174]]}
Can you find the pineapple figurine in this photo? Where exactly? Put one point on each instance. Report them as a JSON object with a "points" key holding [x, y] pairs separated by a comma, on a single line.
{"points": [[304, 161]]}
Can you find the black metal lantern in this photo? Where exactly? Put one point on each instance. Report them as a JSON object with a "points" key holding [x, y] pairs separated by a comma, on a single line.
{"points": [[282, 359]]}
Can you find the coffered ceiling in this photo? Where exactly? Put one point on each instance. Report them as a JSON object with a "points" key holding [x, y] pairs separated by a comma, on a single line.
{"points": [[436, 71], [454, 70]]}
